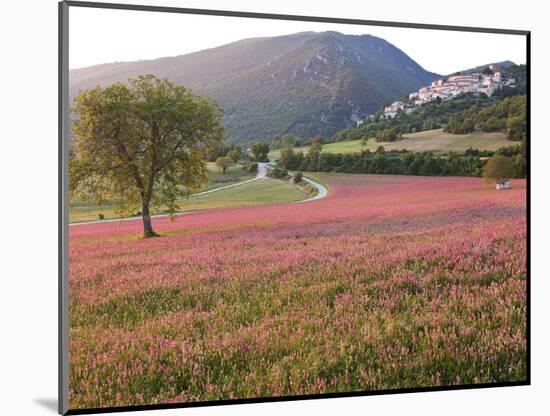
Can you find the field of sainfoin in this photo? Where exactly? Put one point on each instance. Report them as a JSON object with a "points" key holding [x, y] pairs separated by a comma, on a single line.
{"points": [[389, 282]]}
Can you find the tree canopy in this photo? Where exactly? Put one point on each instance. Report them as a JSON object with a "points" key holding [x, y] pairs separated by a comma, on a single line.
{"points": [[142, 144], [224, 162], [499, 168], [260, 151], [288, 140]]}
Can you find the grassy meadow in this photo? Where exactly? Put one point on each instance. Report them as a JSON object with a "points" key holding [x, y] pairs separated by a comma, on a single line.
{"points": [[82, 211], [389, 282], [261, 191], [233, 174], [436, 141]]}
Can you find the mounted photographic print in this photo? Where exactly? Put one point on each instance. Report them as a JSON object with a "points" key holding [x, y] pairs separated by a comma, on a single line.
{"points": [[271, 207]]}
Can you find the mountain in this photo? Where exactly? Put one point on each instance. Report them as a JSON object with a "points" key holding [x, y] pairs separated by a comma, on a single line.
{"points": [[306, 83]]}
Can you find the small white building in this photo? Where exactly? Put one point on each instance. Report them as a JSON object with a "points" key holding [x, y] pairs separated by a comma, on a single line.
{"points": [[392, 110], [503, 185]]}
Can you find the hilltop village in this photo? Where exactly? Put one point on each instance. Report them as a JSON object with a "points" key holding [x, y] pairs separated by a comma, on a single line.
{"points": [[486, 82]]}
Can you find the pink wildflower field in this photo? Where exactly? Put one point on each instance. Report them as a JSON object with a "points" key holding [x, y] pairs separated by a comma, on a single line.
{"points": [[389, 282]]}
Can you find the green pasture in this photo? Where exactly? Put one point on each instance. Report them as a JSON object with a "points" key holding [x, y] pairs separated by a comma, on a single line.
{"points": [[436, 141]]}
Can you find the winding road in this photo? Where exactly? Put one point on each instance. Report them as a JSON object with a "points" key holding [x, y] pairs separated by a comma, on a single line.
{"points": [[263, 169], [322, 191]]}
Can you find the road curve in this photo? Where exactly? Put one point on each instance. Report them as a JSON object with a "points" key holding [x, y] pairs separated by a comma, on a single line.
{"points": [[322, 191]]}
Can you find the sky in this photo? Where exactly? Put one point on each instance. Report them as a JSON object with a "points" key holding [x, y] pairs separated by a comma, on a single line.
{"points": [[99, 36]]}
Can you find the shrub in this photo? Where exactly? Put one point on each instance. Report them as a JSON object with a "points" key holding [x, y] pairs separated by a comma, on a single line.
{"points": [[226, 179], [250, 167], [278, 173], [298, 177], [387, 135]]}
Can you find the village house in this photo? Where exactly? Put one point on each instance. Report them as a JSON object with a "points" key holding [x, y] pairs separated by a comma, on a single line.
{"points": [[475, 82], [446, 89], [394, 108]]}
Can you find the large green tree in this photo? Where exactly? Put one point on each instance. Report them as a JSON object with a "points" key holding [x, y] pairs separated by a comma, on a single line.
{"points": [[141, 144], [499, 168], [314, 153], [224, 162], [260, 151]]}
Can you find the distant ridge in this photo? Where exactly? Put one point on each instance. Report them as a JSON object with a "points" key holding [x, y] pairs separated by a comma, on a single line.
{"points": [[501, 64]]}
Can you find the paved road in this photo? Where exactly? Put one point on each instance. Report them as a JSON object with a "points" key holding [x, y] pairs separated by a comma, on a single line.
{"points": [[322, 191], [263, 169]]}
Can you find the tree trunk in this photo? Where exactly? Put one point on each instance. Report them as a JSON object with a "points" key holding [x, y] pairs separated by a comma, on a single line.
{"points": [[147, 226]]}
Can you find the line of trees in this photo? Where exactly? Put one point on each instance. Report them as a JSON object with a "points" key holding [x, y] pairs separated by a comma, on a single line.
{"points": [[258, 151], [290, 140], [401, 162], [231, 150], [292, 160]]}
